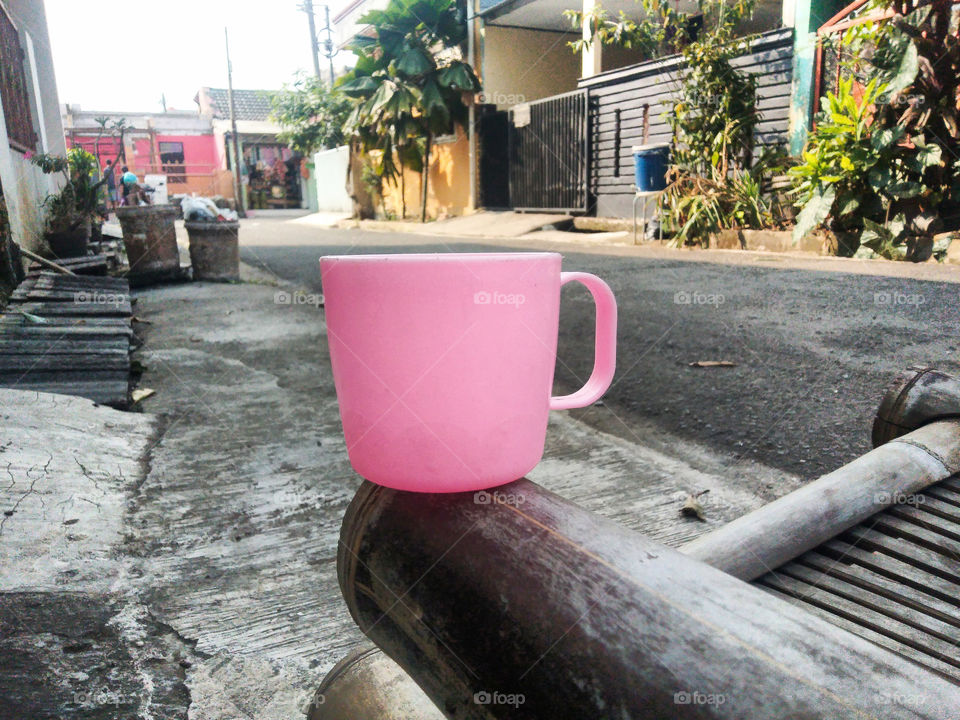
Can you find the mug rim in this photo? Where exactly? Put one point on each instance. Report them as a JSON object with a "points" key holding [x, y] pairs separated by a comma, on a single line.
{"points": [[448, 257]]}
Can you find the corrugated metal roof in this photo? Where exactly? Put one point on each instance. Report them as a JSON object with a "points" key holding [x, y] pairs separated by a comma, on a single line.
{"points": [[251, 104]]}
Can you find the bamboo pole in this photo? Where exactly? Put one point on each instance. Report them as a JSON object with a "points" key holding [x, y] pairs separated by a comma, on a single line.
{"points": [[46, 263], [761, 541], [918, 396], [527, 606]]}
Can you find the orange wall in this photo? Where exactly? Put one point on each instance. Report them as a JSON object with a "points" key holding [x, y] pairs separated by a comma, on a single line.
{"points": [[449, 185]]}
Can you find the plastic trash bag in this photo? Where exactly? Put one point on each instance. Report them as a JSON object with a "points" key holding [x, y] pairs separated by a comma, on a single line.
{"points": [[197, 209]]}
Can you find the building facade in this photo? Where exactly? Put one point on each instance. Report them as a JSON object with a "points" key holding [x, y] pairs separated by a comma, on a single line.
{"points": [[30, 113], [178, 144], [553, 129], [193, 149], [271, 174]]}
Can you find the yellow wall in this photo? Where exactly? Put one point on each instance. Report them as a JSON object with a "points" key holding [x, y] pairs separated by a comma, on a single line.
{"points": [[521, 65], [448, 187], [612, 57]]}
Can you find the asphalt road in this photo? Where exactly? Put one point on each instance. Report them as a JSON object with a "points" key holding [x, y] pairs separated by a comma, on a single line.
{"points": [[813, 348]]}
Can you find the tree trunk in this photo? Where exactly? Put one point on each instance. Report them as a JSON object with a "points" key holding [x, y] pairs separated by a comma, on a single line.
{"points": [[403, 193], [425, 185]]}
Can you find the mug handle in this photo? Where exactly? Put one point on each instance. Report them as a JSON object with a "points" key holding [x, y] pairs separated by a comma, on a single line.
{"points": [[605, 343]]}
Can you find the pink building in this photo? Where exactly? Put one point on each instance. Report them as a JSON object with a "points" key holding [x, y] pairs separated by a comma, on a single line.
{"points": [[194, 148], [178, 144]]}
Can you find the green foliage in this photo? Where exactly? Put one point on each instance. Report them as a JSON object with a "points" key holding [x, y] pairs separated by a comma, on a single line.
{"points": [[662, 29], [694, 207], [879, 166], [310, 114], [84, 172], [713, 115], [849, 168], [79, 199], [864, 176], [50, 163], [408, 81]]}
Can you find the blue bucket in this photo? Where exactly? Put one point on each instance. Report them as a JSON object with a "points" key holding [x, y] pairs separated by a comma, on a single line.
{"points": [[650, 166]]}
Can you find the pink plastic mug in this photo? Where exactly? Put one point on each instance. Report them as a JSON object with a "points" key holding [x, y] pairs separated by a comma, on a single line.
{"points": [[443, 363]]}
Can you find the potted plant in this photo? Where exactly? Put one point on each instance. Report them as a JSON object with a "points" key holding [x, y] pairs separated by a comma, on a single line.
{"points": [[71, 212]]}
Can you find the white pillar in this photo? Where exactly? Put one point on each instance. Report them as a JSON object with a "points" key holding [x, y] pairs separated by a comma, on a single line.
{"points": [[472, 118], [591, 58], [41, 116]]}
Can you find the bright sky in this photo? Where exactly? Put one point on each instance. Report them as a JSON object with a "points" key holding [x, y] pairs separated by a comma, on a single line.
{"points": [[121, 55]]}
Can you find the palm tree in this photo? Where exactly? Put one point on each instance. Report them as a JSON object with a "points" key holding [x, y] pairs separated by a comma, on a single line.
{"points": [[408, 84]]}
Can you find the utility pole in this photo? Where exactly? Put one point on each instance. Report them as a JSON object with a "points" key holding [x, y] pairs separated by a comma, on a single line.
{"points": [[237, 182], [307, 7], [328, 44], [472, 110], [328, 49]]}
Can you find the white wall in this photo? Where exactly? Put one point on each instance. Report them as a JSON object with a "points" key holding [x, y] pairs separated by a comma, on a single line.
{"points": [[331, 173]]}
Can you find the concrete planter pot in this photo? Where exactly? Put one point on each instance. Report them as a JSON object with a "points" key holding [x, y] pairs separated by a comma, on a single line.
{"points": [[150, 237], [70, 243], [214, 250]]}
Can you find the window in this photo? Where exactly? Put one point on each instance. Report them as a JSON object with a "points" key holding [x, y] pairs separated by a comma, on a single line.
{"points": [[171, 158], [14, 88]]}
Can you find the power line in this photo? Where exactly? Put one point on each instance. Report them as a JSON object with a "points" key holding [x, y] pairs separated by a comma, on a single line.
{"points": [[328, 49]]}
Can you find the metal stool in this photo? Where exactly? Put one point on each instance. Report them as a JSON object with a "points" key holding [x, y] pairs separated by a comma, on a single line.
{"points": [[644, 195]]}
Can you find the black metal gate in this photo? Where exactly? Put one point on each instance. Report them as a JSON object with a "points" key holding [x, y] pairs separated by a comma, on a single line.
{"points": [[493, 130], [548, 154]]}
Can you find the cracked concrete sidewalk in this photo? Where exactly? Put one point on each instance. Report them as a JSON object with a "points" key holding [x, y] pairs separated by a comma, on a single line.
{"points": [[180, 562]]}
